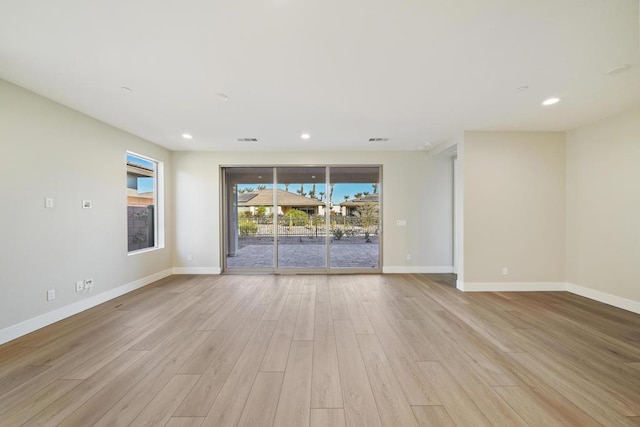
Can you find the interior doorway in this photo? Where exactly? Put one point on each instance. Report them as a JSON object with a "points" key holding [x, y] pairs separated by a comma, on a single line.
{"points": [[302, 219]]}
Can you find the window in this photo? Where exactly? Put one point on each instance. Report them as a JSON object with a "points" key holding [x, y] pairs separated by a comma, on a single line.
{"points": [[144, 211]]}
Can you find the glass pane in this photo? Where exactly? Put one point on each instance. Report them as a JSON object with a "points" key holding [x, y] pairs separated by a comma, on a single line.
{"points": [[355, 217], [249, 233], [301, 225], [141, 203]]}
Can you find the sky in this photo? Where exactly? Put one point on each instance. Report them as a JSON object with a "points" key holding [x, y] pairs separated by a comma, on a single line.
{"points": [[145, 185]]}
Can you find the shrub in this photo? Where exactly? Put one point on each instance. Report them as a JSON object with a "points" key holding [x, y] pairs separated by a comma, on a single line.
{"points": [[247, 228], [338, 233], [368, 214], [297, 217]]}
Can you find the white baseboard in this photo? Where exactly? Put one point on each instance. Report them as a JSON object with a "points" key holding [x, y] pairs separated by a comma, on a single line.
{"points": [[417, 269], [388, 270], [510, 286], [603, 297], [197, 270], [28, 326]]}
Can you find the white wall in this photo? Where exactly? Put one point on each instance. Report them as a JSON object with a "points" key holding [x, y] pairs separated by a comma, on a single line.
{"points": [[514, 209], [52, 151], [603, 206], [416, 188]]}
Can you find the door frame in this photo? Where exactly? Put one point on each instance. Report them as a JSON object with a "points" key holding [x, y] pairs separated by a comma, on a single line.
{"points": [[225, 230]]}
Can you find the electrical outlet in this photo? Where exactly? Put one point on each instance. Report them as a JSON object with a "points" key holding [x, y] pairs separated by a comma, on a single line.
{"points": [[51, 294], [88, 284], [408, 257], [505, 271], [80, 286]]}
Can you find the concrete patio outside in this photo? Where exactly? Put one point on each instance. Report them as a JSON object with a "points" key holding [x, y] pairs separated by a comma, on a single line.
{"points": [[306, 253]]}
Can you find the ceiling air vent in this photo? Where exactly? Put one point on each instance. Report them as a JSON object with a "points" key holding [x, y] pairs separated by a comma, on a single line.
{"points": [[247, 139], [378, 139]]}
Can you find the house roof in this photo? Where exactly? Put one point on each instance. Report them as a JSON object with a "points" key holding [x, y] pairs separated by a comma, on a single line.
{"points": [[285, 198], [369, 198], [138, 170], [243, 198]]}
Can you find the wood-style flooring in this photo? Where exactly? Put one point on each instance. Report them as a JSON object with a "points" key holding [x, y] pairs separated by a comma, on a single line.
{"points": [[352, 350]]}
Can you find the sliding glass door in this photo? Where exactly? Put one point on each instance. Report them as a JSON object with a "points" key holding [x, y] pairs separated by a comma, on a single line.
{"points": [[302, 219], [355, 225], [301, 232], [249, 217]]}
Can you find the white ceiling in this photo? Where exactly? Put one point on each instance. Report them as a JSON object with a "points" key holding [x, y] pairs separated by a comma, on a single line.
{"points": [[413, 71]]}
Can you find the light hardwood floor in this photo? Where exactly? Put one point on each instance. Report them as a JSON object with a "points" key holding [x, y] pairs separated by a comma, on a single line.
{"points": [[353, 350]]}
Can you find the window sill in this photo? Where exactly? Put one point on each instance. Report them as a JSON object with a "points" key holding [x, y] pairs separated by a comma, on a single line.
{"points": [[142, 251]]}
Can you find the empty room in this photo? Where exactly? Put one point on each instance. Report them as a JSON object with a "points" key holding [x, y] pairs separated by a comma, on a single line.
{"points": [[342, 213]]}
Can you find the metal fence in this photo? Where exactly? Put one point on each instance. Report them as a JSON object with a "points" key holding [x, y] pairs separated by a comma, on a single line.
{"points": [[310, 226]]}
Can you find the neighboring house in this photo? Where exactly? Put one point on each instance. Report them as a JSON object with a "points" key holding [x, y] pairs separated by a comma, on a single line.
{"points": [[134, 198], [350, 206], [249, 202]]}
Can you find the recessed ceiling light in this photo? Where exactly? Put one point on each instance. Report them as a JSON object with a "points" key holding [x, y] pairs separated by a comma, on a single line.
{"points": [[222, 97], [187, 136], [313, 177], [126, 89], [618, 69], [551, 101], [305, 136], [259, 176]]}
